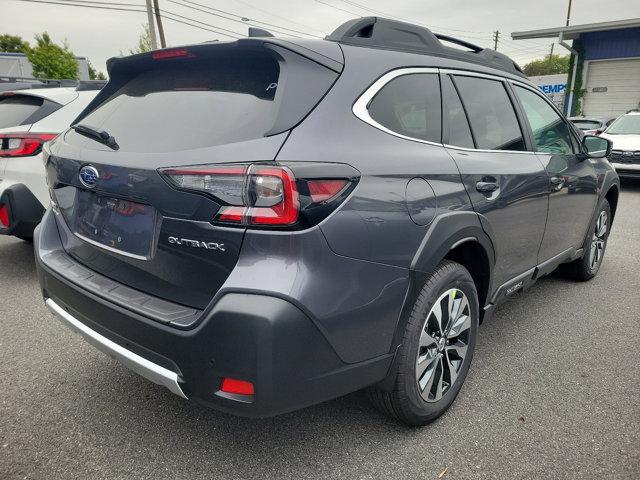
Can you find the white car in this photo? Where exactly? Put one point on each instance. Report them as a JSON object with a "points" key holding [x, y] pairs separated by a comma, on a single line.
{"points": [[592, 125], [624, 133], [28, 119]]}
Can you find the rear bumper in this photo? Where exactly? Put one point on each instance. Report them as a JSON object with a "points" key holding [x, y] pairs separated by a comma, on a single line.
{"points": [[25, 211], [258, 338], [140, 365]]}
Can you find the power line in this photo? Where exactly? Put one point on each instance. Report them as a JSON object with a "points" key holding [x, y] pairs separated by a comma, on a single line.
{"points": [[452, 31], [281, 17], [85, 4], [380, 12], [338, 8], [240, 19]]}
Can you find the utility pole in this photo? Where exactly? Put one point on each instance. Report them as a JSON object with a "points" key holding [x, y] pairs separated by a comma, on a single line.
{"points": [[163, 44], [152, 26], [496, 35], [569, 13]]}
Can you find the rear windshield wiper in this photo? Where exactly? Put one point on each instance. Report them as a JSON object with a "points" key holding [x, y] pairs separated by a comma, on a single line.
{"points": [[96, 134]]}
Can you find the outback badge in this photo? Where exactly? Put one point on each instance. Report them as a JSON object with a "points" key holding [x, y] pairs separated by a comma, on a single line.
{"points": [[196, 243]]}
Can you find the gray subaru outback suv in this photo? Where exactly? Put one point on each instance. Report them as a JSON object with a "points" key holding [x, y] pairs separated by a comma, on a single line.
{"points": [[265, 224]]}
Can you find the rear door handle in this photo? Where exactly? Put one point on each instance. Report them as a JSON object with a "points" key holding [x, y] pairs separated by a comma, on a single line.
{"points": [[487, 187]]}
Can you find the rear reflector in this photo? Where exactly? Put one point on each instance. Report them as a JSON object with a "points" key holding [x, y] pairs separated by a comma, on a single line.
{"points": [[238, 387], [23, 144], [4, 216]]}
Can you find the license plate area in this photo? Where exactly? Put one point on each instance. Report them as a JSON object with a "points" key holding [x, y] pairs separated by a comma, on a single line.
{"points": [[114, 224]]}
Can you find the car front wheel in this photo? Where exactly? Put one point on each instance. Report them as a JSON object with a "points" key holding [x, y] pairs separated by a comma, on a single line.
{"points": [[587, 266]]}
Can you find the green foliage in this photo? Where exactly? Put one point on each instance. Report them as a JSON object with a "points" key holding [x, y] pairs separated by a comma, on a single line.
{"points": [[13, 44], [144, 41], [550, 65], [578, 91], [95, 74], [52, 61]]}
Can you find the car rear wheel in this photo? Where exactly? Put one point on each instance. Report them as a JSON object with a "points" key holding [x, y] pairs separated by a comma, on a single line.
{"points": [[586, 267], [437, 348]]}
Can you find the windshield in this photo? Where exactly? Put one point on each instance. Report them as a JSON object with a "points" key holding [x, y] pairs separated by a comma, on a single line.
{"points": [[625, 125]]}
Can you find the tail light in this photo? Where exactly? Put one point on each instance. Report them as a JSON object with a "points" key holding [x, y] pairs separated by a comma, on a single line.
{"points": [[264, 195], [23, 144]]}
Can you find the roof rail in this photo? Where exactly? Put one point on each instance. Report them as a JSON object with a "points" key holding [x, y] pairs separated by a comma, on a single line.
{"points": [[377, 32], [84, 85], [54, 83]]}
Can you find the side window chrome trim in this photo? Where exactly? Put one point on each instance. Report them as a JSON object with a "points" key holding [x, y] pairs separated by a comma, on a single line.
{"points": [[361, 106], [529, 152]]}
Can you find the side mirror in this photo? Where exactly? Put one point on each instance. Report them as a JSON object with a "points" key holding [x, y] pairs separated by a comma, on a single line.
{"points": [[596, 147]]}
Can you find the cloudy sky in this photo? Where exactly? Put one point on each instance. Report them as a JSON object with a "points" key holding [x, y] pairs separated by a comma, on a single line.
{"points": [[102, 33]]}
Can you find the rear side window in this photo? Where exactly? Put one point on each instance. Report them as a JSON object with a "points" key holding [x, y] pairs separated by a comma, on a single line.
{"points": [[550, 132], [17, 109], [454, 117], [493, 120], [410, 105]]}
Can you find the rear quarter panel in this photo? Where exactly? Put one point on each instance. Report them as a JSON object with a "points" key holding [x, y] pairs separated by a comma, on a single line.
{"points": [[374, 223]]}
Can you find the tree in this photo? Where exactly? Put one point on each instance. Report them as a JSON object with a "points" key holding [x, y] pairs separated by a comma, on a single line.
{"points": [[550, 65], [13, 44], [144, 41], [52, 61], [95, 74]]}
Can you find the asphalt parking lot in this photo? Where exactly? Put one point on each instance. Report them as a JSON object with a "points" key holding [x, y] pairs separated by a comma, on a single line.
{"points": [[554, 392]]}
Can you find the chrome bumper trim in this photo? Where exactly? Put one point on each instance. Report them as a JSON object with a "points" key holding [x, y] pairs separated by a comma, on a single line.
{"points": [[142, 366], [635, 167]]}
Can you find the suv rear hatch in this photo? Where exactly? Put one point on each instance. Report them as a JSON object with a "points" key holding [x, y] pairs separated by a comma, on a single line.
{"points": [[199, 105]]}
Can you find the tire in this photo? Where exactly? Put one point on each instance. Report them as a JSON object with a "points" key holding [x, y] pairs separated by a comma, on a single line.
{"points": [[427, 359], [587, 267]]}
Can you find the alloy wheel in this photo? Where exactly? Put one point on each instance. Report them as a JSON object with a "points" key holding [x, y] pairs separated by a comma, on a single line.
{"points": [[598, 241], [443, 344]]}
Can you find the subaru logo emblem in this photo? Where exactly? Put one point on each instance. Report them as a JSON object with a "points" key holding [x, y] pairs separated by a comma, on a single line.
{"points": [[88, 176]]}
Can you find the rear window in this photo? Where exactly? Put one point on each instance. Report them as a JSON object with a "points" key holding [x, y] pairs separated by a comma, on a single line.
{"points": [[587, 124], [17, 109], [202, 102]]}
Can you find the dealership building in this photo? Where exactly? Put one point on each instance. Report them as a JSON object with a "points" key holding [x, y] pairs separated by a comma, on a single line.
{"points": [[604, 76]]}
